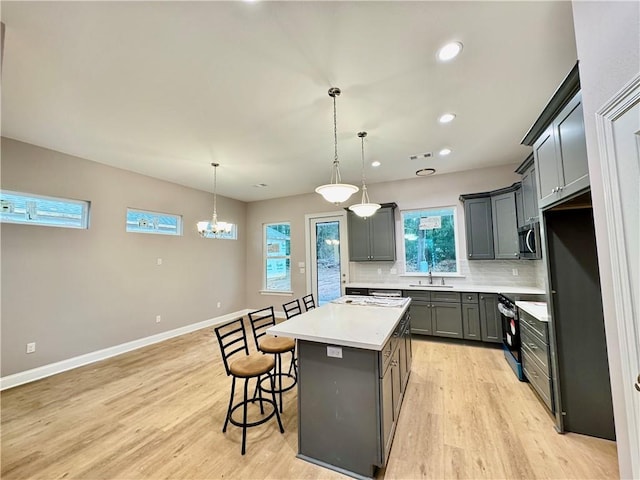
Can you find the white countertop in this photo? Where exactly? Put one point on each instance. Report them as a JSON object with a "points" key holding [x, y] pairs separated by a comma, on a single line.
{"points": [[535, 309], [347, 324], [452, 288]]}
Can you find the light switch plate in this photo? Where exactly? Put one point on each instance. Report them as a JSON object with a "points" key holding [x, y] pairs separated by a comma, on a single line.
{"points": [[335, 352]]}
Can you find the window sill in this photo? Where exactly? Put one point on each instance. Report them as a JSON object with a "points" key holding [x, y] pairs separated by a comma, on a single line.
{"points": [[283, 293], [434, 275]]}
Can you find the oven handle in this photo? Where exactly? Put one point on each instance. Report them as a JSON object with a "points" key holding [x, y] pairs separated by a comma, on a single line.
{"points": [[506, 311], [526, 240]]}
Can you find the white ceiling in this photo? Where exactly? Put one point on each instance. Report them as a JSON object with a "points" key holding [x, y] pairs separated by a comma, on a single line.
{"points": [[165, 88]]}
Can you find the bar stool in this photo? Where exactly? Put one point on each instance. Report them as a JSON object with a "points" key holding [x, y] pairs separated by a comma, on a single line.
{"points": [[261, 320], [291, 309], [309, 302], [232, 339]]}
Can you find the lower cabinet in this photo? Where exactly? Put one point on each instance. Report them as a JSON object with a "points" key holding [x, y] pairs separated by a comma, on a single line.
{"points": [[446, 319], [490, 319], [471, 321], [536, 357]]}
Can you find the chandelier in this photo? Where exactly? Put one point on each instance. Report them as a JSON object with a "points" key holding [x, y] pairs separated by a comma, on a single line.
{"points": [[335, 191], [214, 228], [365, 208]]}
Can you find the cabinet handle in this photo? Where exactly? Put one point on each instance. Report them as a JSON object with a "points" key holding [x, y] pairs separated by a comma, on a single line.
{"points": [[469, 255], [532, 346], [516, 254], [387, 353], [481, 297], [560, 189]]}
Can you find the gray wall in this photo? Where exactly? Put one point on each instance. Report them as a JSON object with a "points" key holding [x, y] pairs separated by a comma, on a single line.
{"points": [[436, 191], [78, 291], [608, 43]]}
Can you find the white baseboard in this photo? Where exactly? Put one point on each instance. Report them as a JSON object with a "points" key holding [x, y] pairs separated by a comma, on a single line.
{"points": [[54, 368]]}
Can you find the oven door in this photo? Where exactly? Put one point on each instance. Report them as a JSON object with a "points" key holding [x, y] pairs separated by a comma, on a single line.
{"points": [[510, 329]]}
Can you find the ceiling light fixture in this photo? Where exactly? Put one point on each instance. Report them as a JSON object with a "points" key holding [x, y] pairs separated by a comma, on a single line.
{"points": [[444, 152], [365, 208], [214, 228], [336, 192], [449, 51], [425, 172], [447, 117], [375, 163]]}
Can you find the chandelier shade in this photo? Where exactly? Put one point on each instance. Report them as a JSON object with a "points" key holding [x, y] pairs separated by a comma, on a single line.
{"points": [[335, 191], [365, 208]]}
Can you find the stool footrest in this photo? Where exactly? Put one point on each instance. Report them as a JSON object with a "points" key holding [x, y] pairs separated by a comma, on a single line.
{"points": [[267, 416]]}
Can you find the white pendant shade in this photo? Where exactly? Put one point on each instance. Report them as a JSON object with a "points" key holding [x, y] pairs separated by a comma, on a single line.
{"points": [[364, 209], [336, 192]]}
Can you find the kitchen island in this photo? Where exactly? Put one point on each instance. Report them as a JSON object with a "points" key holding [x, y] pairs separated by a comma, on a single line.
{"points": [[354, 359]]}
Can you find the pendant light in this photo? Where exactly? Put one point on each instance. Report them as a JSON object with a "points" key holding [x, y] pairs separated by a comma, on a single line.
{"points": [[365, 208], [336, 192], [214, 228]]}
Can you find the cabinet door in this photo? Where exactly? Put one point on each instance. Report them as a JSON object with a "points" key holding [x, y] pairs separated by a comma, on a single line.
{"points": [[402, 350], [544, 152], [520, 208], [421, 318], [529, 197], [477, 217], [409, 350], [382, 238], [386, 410], [447, 319], [572, 146], [490, 320], [505, 226], [359, 250], [396, 384], [471, 321]]}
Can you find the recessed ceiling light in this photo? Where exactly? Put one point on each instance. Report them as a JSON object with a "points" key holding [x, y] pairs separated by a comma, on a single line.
{"points": [[444, 151], [449, 51], [375, 164], [425, 172], [447, 117]]}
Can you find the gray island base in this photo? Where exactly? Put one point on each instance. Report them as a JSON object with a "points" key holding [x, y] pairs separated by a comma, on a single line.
{"points": [[353, 366]]}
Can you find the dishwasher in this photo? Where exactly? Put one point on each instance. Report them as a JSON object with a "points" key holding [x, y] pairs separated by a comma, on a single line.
{"points": [[385, 292]]}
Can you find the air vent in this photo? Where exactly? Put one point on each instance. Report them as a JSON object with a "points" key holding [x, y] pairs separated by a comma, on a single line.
{"points": [[421, 155]]}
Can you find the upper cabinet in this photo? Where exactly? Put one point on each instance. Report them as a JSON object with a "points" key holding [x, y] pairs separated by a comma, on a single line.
{"points": [[559, 145], [373, 238], [529, 193], [491, 223]]}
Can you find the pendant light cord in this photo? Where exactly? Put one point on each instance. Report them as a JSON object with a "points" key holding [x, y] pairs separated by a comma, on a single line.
{"points": [[335, 172], [365, 194], [215, 189]]}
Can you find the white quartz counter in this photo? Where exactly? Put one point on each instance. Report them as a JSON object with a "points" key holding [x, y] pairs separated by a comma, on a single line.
{"points": [[451, 288], [535, 309], [346, 324]]}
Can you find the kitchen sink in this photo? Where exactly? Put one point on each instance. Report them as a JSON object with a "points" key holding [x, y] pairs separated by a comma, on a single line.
{"points": [[429, 286]]}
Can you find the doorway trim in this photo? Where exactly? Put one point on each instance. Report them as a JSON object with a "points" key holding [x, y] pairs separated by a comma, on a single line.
{"points": [[626, 318], [344, 256]]}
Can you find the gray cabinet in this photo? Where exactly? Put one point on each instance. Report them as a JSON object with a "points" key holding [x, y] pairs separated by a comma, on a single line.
{"points": [[529, 197], [471, 321], [536, 358], [561, 155], [446, 319], [479, 228], [505, 232], [436, 313], [491, 222], [372, 238], [490, 319]]}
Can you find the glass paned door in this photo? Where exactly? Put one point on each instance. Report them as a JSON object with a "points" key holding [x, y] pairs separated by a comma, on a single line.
{"points": [[328, 252]]}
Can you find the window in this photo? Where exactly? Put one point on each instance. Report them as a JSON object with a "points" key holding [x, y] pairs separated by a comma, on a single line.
{"points": [[139, 221], [277, 257], [29, 209], [430, 240]]}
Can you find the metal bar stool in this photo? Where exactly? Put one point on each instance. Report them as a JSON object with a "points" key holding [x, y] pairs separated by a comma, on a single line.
{"points": [[309, 302], [232, 339], [291, 309], [261, 320]]}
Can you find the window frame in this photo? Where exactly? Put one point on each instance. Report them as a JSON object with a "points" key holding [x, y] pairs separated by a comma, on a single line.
{"points": [[266, 257], [456, 235], [179, 222], [84, 216]]}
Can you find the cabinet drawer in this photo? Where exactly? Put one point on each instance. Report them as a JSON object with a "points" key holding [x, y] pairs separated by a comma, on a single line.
{"points": [[445, 296], [356, 291], [418, 295], [536, 326], [537, 378], [386, 354], [535, 346], [469, 298]]}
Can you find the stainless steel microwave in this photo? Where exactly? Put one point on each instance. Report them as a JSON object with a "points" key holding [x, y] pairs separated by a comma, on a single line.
{"points": [[529, 241]]}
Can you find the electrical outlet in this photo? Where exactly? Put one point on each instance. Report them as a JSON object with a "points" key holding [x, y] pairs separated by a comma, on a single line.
{"points": [[219, 304], [393, 271], [159, 261], [158, 318], [31, 347], [514, 272], [379, 271]]}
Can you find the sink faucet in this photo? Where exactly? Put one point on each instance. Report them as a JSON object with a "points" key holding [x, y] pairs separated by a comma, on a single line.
{"points": [[430, 278], [442, 280]]}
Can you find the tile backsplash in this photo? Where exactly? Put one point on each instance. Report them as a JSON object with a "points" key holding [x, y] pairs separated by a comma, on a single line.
{"points": [[530, 273]]}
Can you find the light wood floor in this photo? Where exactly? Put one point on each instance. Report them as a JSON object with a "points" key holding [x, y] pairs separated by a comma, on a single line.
{"points": [[158, 413]]}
